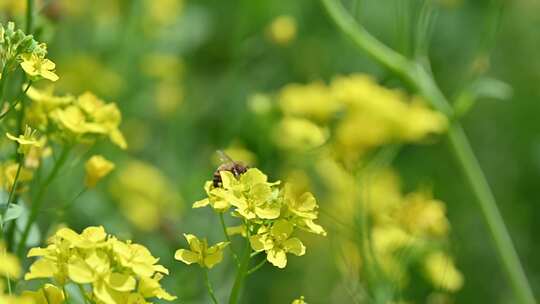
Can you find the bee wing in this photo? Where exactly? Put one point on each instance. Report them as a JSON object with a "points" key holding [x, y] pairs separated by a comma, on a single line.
{"points": [[223, 157]]}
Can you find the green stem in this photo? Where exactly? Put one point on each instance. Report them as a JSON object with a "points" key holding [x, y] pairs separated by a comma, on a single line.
{"points": [[241, 272], [209, 286], [228, 238], [37, 202], [257, 267], [14, 186], [29, 16], [3, 82], [425, 84], [18, 99], [83, 293]]}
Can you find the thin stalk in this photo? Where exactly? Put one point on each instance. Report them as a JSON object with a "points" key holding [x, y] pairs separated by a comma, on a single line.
{"points": [[3, 82], [460, 146], [29, 16], [38, 201], [241, 272], [209, 286], [18, 99], [257, 267], [14, 186], [228, 238]]}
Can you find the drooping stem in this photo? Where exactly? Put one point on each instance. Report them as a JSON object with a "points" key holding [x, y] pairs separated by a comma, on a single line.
{"points": [[228, 238], [38, 201], [209, 286], [417, 76], [241, 272], [257, 267]]}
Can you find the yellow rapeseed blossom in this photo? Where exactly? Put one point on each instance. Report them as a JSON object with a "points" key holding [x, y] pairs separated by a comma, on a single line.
{"points": [[26, 141], [49, 294], [313, 101], [116, 271], [299, 301], [199, 252], [144, 194], [282, 30], [97, 167], [37, 67], [423, 215], [442, 272], [9, 264], [299, 134], [8, 171], [277, 242], [269, 211], [88, 116]]}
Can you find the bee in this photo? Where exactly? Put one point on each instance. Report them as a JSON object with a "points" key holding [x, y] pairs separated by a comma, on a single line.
{"points": [[227, 164]]}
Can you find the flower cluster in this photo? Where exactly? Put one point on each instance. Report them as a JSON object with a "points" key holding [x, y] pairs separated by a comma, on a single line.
{"points": [[81, 119], [112, 271], [18, 48], [269, 212], [346, 106]]}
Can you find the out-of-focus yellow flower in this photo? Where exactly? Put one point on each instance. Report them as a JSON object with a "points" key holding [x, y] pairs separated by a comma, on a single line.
{"points": [[115, 270], [313, 101], [8, 171], [442, 272], [200, 253], [424, 216], [145, 195], [26, 141], [299, 301], [168, 98], [299, 134], [9, 264], [282, 30], [49, 294], [260, 103], [163, 12], [97, 167], [163, 66], [37, 67], [276, 242]]}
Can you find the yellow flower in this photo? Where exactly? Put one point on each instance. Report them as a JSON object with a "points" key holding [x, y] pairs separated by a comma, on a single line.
{"points": [[282, 30], [116, 271], [8, 171], [49, 294], [97, 167], [26, 141], [252, 194], [302, 210], [299, 134], [107, 285], [442, 272], [299, 301], [312, 101], [36, 67], [423, 215], [200, 253], [276, 242], [9, 264]]}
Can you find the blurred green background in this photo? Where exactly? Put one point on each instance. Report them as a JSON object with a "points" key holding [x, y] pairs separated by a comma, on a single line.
{"points": [[212, 56]]}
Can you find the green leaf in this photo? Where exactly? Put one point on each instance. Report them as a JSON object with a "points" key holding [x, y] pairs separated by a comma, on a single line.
{"points": [[13, 212]]}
